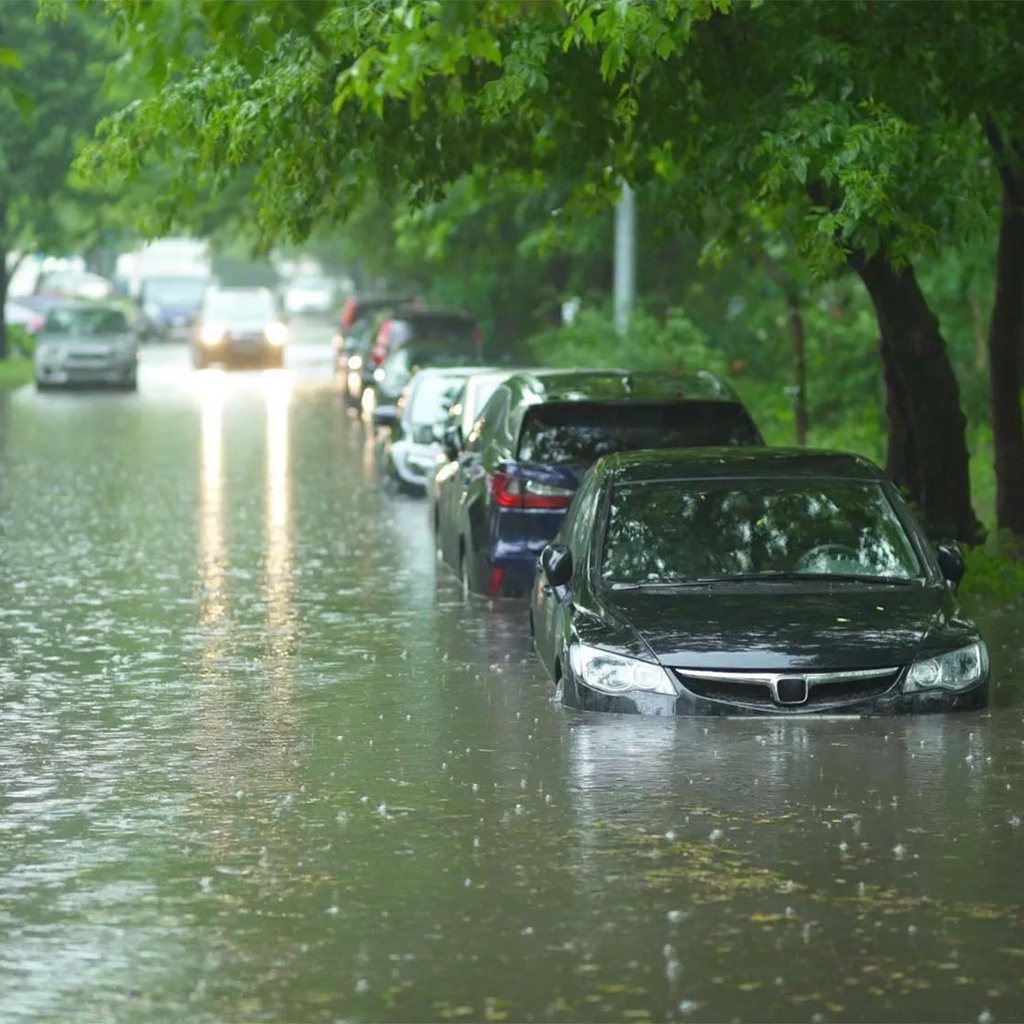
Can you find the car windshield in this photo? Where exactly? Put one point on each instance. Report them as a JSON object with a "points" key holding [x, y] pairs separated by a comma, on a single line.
{"points": [[681, 531], [86, 320], [432, 397], [183, 290], [479, 391], [579, 433], [250, 304]]}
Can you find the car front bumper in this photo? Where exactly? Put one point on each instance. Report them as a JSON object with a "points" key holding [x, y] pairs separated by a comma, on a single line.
{"points": [[414, 465], [238, 353], [576, 694], [71, 372]]}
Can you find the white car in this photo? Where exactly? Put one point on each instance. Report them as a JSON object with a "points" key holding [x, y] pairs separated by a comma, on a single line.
{"points": [[309, 295], [86, 344]]}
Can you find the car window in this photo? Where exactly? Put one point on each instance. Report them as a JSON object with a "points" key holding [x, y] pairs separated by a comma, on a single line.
{"points": [[431, 398], [86, 320], [668, 531], [560, 433], [230, 304], [493, 416], [578, 523]]}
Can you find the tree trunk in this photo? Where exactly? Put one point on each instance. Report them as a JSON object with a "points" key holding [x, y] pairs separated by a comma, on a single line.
{"points": [[931, 460], [3, 300], [795, 322], [1005, 338]]}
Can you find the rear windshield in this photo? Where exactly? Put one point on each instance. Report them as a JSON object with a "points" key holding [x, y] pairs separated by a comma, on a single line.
{"points": [[579, 433], [448, 353], [441, 328]]}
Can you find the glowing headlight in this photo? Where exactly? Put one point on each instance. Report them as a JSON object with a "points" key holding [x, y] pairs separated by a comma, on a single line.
{"points": [[211, 334], [276, 333], [355, 362], [954, 671], [613, 673], [380, 373]]}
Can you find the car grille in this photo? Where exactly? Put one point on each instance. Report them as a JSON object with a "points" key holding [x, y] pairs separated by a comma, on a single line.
{"points": [[755, 690]]}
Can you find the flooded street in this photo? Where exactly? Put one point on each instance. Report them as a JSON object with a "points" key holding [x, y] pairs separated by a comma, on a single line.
{"points": [[259, 760]]}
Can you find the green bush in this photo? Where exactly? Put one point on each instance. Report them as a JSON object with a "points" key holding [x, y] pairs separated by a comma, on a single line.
{"points": [[995, 569], [19, 341], [673, 345]]}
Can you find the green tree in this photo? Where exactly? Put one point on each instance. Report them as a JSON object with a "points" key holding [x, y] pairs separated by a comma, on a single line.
{"points": [[52, 106], [843, 114]]}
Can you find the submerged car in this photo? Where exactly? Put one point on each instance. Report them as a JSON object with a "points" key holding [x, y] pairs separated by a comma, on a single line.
{"points": [[504, 497], [739, 582], [412, 339], [239, 325], [86, 344], [410, 437]]}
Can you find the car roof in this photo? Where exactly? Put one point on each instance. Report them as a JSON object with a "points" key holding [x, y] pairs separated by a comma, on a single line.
{"points": [[736, 463], [589, 385]]}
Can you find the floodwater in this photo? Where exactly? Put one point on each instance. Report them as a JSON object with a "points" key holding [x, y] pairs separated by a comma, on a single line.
{"points": [[259, 761]]}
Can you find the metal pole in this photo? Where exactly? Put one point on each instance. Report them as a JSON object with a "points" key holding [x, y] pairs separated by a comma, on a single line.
{"points": [[625, 258]]}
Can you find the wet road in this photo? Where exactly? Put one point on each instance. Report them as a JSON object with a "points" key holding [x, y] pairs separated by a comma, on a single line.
{"points": [[259, 761]]}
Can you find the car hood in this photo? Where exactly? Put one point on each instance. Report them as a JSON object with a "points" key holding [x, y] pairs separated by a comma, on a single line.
{"points": [[781, 628], [242, 324]]}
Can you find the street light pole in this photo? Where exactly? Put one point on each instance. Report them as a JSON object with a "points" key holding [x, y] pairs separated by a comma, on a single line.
{"points": [[625, 258]]}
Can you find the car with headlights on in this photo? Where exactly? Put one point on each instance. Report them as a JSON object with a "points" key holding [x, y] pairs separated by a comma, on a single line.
{"points": [[752, 581], [239, 325], [84, 343], [505, 494], [410, 433]]}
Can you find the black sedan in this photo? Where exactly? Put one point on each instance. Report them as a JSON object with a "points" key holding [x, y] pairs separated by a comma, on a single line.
{"points": [[748, 581]]}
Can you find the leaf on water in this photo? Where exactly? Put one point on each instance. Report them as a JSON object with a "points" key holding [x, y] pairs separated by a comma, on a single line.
{"points": [[749, 986], [765, 918]]}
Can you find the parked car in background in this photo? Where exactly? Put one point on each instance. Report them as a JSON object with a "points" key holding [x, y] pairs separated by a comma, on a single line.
{"points": [[309, 294], [86, 343], [170, 305], [413, 339], [752, 581], [76, 284], [503, 499], [239, 325], [410, 432], [17, 314], [467, 406], [354, 338]]}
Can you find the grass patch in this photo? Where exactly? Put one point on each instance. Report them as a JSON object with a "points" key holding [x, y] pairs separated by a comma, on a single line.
{"points": [[15, 371]]}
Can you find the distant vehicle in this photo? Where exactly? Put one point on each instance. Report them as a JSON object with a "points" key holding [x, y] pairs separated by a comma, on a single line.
{"points": [[753, 581], [86, 343], [170, 305], [75, 284], [411, 340], [163, 257], [22, 315], [352, 341], [239, 325], [309, 295], [410, 439], [503, 498]]}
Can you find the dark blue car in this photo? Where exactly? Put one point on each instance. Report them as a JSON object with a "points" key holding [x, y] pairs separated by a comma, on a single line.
{"points": [[502, 498]]}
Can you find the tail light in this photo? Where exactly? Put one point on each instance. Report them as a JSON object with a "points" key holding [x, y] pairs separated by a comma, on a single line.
{"points": [[511, 492], [348, 312], [380, 346]]}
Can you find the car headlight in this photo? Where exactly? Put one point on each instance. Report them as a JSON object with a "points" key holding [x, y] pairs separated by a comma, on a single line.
{"points": [[355, 362], [956, 670], [276, 333], [211, 334], [380, 373], [613, 673]]}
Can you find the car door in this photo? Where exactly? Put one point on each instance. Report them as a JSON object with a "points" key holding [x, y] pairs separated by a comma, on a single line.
{"points": [[482, 452], [550, 609]]}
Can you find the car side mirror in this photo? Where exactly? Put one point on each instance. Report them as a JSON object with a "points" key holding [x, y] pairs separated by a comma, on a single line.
{"points": [[952, 563], [385, 416], [452, 442], [556, 561]]}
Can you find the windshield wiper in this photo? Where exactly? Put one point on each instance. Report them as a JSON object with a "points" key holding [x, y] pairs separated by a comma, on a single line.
{"points": [[807, 577]]}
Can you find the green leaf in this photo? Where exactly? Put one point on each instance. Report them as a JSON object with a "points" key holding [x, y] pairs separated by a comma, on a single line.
{"points": [[9, 58]]}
